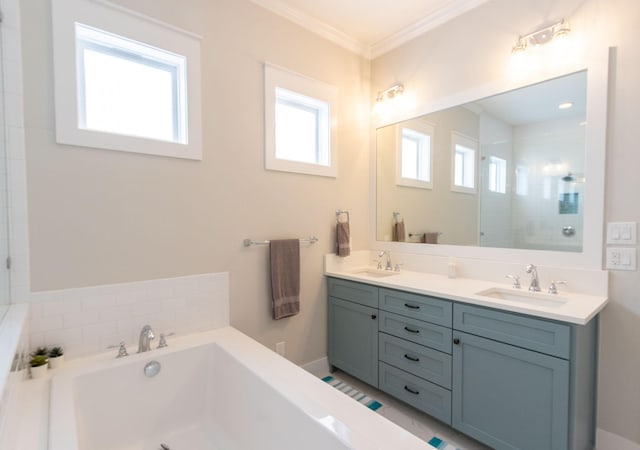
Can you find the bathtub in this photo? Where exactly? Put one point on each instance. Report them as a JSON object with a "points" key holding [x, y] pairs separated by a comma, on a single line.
{"points": [[218, 390]]}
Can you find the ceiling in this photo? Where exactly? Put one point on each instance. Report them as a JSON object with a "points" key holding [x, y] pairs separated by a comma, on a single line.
{"points": [[369, 27]]}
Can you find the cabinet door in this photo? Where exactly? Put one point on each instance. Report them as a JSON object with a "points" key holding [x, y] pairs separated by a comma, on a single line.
{"points": [[353, 339], [508, 397]]}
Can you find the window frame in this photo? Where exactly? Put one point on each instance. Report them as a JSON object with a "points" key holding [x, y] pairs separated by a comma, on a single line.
{"points": [[472, 146], [422, 129], [276, 77], [141, 30]]}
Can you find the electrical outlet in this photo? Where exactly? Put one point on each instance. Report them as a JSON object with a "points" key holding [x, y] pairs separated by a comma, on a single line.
{"points": [[281, 348], [621, 258]]}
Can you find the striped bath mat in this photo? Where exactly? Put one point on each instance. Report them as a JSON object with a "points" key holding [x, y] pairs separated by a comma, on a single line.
{"points": [[353, 393], [440, 444]]}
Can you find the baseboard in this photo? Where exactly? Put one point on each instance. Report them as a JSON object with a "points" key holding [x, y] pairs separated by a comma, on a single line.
{"points": [[610, 441], [318, 367]]}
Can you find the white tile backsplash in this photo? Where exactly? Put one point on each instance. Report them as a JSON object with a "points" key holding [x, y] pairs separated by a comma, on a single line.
{"points": [[87, 320]]}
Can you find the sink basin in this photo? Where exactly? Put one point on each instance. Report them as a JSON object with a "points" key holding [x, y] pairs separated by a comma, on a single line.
{"points": [[530, 298], [373, 273]]}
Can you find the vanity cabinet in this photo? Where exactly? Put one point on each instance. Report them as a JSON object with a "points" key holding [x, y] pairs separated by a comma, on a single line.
{"points": [[511, 381], [353, 329]]}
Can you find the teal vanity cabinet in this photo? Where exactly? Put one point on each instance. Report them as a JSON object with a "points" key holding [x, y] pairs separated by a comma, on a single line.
{"points": [[415, 350], [353, 329], [511, 381], [521, 382]]}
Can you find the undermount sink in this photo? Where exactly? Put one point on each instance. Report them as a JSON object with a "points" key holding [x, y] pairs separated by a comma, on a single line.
{"points": [[373, 273], [528, 297]]}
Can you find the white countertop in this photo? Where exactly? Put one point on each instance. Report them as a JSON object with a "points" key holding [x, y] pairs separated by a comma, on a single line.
{"points": [[569, 307]]}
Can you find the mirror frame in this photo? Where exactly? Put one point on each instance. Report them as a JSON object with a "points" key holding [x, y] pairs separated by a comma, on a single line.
{"points": [[597, 66]]}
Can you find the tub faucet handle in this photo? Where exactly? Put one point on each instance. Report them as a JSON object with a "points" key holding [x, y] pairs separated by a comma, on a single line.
{"points": [[163, 339], [122, 349]]}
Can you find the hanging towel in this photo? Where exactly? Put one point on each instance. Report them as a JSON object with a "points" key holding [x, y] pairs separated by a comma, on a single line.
{"points": [[285, 277], [398, 231], [344, 235], [431, 238]]}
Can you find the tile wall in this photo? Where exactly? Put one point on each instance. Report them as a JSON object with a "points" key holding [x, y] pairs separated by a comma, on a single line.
{"points": [[87, 320]]}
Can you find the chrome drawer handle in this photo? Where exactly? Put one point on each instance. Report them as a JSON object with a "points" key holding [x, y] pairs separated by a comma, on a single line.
{"points": [[411, 391], [411, 330], [411, 358], [409, 305]]}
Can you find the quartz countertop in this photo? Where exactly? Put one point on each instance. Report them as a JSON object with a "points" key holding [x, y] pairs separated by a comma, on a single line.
{"points": [[576, 308]]}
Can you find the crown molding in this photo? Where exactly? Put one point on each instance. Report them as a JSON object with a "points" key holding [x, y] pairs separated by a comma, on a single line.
{"points": [[314, 25], [438, 17], [369, 51]]}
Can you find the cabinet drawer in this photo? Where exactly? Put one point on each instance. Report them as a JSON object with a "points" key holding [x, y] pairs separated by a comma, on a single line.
{"points": [[417, 331], [427, 397], [418, 360], [363, 294], [527, 332], [422, 307]]}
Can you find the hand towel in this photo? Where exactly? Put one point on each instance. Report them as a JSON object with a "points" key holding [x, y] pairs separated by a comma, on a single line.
{"points": [[431, 238], [398, 233], [344, 235], [285, 277]]}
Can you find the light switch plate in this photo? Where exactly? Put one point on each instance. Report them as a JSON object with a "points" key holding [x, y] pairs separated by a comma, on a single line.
{"points": [[621, 258], [624, 233]]}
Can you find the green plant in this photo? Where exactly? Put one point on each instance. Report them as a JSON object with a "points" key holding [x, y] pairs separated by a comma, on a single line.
{"points": [[55, 352], [41, 351], [38, 360]]}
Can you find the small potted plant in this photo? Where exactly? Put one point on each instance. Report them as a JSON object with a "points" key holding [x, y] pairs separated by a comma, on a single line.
{"points": [[56, 357], [38, 365]]}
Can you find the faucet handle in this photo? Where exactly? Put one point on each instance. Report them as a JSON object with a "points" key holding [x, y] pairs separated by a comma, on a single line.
{"points": [[379, 266], [516, 281], [397, 267], [163, 339], [122, 349], [553, 288]]}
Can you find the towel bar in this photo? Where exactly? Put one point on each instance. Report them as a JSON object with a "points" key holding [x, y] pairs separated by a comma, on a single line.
{"points": [[249, 242]]}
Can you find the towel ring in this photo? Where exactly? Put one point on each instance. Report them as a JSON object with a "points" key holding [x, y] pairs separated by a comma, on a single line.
{"points": [[339, 212]]}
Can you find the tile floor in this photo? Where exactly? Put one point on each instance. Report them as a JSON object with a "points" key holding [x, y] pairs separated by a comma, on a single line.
{"points": [[409, 418]]}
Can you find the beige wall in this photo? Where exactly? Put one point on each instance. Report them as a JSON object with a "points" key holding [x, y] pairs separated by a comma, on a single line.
{"points": [[99, 217], [474, 50]]}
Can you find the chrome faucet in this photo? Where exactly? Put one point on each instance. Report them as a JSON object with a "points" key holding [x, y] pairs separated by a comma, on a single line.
{"points": [[535, 284], [146, 336], [388, 265]]}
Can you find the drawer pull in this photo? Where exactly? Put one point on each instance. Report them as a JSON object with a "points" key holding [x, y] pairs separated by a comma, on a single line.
{"points": [[411, 358], [411, 391], [374, 317], [411, 330], [409, 305], [456, 341]]}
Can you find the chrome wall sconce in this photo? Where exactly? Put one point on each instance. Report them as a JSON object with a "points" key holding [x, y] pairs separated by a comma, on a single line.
{"points": [[391, 93], [542, 36]]}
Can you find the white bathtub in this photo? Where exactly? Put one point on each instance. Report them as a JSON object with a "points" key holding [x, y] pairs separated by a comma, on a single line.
{"points": [[218, 390]]}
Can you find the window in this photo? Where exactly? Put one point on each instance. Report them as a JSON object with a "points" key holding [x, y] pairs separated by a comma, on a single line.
{"points": [[522, 181], [125, 82], [414, 157], [300, 130], [497, 175], [464, 152]]}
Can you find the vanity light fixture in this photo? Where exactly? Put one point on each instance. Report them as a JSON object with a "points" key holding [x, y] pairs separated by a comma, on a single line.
{"points": [[391, 93], [542, 36]]}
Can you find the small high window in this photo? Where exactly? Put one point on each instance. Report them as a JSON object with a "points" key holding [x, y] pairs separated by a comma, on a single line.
{"points": [[300, 124], [124, 81], [464, 151], [414, 157]]}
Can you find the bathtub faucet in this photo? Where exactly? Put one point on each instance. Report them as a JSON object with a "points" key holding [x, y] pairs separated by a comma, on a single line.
{"points": [[146, 336]]}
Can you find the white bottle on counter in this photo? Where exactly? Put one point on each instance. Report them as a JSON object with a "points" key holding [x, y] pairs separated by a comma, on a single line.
{"points": [[452, 268]]}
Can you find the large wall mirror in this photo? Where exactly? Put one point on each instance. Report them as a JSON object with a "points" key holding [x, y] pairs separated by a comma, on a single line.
{"points": [[520, 170]]}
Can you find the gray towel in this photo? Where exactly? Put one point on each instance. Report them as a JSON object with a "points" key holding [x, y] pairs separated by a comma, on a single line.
{"points": [[398, 232], [285, 277], [343, 234]]}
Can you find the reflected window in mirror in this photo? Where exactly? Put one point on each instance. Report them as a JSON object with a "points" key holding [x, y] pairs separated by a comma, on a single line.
{"points": [[522, 180], [464, 163], [497, 175], [414, 157]]}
